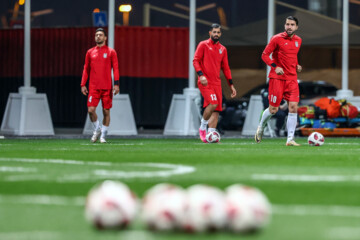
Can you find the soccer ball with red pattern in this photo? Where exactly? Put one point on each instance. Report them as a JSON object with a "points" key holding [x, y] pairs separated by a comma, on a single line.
{"points": [[110, 204], [213, 137], [205, 210], [248, 209], [163, 207], [316, 139]]}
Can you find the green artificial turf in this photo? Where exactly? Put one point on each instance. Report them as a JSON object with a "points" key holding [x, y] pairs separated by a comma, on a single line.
{"points": [[314, 190]]}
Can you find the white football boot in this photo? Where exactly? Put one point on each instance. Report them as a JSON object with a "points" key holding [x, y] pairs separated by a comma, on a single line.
{"points": [[259, 134], [102, 140], [95, 136]]}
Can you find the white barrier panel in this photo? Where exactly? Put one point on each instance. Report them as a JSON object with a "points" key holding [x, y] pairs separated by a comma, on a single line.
{"points": [[184, 114], [253, 115], [27, 113], [122, 121]]}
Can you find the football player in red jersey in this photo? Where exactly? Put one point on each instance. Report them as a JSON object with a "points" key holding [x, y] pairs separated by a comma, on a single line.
{"points": [[210, 57], [98, 63], [283, 84]]}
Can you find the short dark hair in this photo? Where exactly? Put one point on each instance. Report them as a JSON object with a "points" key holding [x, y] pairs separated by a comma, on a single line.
{"points": [[101, 30], [294, 19], [215, 25]]}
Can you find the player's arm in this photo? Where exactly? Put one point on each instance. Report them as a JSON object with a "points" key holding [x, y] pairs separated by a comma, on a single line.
{"points": [[269, 49], [298, 67], [226, 70], [198, 58], [115, 66], [85, 74]]}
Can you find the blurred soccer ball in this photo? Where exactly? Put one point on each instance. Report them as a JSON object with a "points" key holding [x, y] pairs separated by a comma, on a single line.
{"points": [[316, 139], [248, 209], [213, 137], [110, 205], [206, 209], [163, 207]]}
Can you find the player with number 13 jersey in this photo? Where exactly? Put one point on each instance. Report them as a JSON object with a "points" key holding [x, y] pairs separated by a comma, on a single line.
{"points": [[210, 57]]}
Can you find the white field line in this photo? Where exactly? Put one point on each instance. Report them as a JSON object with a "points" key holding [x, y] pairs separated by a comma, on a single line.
{"points": [[317, 210], [110, 144], [343, 233], [277, 209], [16, 169], [55, 161], [43, 200], [305, 178], [166, 170], [357, 144], [172, 170], [31, 235]]}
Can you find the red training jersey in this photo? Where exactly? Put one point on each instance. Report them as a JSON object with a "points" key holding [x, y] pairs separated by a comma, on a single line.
{"points": [[209, 58], [284, 51], [98, 63]]}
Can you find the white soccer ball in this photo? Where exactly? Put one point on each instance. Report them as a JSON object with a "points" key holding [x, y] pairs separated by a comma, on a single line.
{"points": [[316, 139], [164, 207], [213, 137], [110, 205], [248, 209], [206, 209]]}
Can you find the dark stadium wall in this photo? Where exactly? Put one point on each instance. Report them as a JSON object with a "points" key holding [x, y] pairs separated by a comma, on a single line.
{"points": [[153, 65]]}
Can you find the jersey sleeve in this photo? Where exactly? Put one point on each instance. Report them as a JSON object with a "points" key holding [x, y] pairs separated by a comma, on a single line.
{"points": [[86, 70], [225, 67], [115, 65], [198, 57], [267, 51], [297, 57]]}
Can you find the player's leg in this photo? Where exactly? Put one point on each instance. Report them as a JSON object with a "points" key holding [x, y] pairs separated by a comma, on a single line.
{"points": [[93, 101], [276, 88], [105, 126], [292, 96], [210, 108], [106, 100], [210, 104], [213, 121], [291, 124]]}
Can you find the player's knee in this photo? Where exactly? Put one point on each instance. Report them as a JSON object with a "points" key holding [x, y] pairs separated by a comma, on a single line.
{"points": [[273, 110], [91, 110], [293, 108]]}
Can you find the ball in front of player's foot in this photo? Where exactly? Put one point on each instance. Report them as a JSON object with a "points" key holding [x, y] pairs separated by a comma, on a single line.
{"points": [[213, 137]]}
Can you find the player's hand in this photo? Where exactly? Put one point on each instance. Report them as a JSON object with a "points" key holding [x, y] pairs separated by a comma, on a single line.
{"points": [[279, 71], [298, 68], [233, 91], [84, 90], [116, 89], [203, 80]]}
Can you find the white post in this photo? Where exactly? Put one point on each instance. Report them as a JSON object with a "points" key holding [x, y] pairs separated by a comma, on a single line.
{"points": [[345, 46], [111, 25], [345, 92], [188, 91], [27, 45], [192, 31], [271, 28], [146, 15], [111, 29]]}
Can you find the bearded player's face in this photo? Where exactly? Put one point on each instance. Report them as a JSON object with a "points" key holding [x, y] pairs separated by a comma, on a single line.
{"points": [[215, 34], [290, 27], [100, 37]]}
